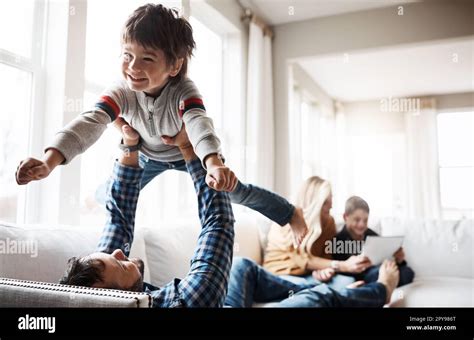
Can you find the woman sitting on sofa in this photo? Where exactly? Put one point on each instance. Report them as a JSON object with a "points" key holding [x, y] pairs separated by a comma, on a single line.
{"points": [[308, 262]]}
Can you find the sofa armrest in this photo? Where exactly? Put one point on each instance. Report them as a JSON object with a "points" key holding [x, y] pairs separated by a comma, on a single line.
{"points": [[22, 293]]}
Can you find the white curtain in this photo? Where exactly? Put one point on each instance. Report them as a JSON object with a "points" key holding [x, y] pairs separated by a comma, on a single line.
{"points": [[422, 161], [260, 119]]}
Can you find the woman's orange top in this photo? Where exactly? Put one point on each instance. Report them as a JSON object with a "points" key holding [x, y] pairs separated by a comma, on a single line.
{"points": [[281, 257]]}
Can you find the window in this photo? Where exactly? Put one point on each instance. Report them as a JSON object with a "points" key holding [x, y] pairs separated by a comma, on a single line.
{"points": [[22, 56], [17, 16], [18, 70], [13, 124], [376, 171], [205, 69], [456, 163], [309, 145], [312, 133]]}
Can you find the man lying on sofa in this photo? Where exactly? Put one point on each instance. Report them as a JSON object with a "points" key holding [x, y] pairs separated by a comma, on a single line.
{"points": [[206, 283]]}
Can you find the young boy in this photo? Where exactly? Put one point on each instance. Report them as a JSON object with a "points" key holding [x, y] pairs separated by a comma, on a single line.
{"points": [[356, 216], [157, 100]]}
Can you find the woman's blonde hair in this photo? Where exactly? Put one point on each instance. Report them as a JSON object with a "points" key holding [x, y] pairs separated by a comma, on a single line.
{"points": [[314, 188], [312, 194]]}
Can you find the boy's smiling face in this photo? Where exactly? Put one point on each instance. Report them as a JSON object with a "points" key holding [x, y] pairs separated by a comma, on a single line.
{"points": [[356, 223], [146, 69]]}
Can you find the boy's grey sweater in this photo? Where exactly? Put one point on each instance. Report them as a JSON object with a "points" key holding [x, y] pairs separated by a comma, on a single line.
{"points": [[152, 117]]}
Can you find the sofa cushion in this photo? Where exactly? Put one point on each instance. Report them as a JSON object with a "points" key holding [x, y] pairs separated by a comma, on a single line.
{"points": [[170, 246], [21, 293], [435, 292]]}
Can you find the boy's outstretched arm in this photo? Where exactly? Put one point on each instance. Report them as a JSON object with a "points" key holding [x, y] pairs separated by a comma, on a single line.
{"points": [[75, 138], [72, 140]]}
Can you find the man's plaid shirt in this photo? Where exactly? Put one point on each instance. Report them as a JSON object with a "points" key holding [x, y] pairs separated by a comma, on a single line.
{"points": [[205, 285]]}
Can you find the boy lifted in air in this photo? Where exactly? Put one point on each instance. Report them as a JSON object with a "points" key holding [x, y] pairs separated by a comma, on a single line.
{"points": [[156, 98]]}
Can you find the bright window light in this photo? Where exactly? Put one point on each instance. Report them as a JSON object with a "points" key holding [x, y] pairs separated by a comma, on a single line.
{"points": [[13, 135], [456, 160], [16, 25], [205, 69]]}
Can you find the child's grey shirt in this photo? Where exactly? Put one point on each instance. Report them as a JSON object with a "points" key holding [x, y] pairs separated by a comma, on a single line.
{"points": [[152, 117]]}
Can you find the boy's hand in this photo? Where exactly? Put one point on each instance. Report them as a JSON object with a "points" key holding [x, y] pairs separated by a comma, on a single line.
{"points": [[355, 264], [399, 255], [221, 178], [324, 275], [31, 169]]}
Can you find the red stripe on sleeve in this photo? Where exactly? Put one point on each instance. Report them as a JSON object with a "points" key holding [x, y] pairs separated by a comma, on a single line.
{"points": [[193, 101], [189, 101], [112, 104]]}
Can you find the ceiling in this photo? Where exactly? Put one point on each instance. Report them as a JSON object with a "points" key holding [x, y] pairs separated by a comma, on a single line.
{"points": [[276, 12], [427, 69]]}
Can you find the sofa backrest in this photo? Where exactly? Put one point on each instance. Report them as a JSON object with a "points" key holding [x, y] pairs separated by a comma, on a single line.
{"points": [[170, 246], [435, 247], [40, 253]]}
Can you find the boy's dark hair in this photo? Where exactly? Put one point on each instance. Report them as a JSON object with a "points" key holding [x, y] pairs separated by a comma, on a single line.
{"points": [[355, 202], [158, 27], [82, 272]]}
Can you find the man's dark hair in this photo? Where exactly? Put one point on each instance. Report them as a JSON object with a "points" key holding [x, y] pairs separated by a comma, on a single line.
{"points": [[158, 27], [83, 272]]}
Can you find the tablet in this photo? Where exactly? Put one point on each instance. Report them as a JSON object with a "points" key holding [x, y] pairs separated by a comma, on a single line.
{"points": [[379, 248]]}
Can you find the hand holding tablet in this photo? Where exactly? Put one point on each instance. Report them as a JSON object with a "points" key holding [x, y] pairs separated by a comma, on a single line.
{"points": [[379, 248]]}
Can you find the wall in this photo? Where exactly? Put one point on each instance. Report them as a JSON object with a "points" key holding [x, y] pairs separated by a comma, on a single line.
{"points": [[355, 31]]}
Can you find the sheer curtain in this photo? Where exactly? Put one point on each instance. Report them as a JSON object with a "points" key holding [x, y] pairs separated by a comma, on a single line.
{"points": [[422, 161], [260, 119]]}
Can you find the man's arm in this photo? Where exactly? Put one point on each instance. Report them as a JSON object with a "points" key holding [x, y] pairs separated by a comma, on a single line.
{"points": [[206, 283], [121, 202]]}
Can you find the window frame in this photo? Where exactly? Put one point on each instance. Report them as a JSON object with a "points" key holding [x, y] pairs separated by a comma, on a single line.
{"points": [[27, 207]]}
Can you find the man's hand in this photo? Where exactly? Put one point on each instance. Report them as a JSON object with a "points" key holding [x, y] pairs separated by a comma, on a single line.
{"points": [[324, 275], [355, 264], [181, 139], [399, 255], [31, 169]]}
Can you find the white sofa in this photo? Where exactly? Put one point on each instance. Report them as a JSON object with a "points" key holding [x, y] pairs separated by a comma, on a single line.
{"points": [[440, 252]]}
